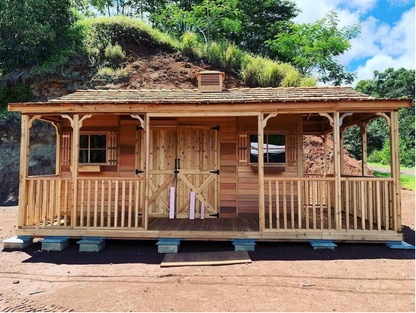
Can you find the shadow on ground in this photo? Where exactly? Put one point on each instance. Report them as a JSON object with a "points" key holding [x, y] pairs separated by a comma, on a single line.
{"points": [[123, 252]]}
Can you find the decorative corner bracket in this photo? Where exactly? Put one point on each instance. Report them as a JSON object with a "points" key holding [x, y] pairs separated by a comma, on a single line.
{"points": [[137, 117], [388, 121], [341, 119], [70, 119], [266, 119], [83, 119], [32, 119], [329, 117]]}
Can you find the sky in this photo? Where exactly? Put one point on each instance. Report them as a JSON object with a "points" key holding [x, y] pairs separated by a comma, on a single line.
{"points": [[387, 37]]}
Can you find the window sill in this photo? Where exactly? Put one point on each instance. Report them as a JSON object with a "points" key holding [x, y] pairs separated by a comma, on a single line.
{"points": [[269, 168], [89, 168]]}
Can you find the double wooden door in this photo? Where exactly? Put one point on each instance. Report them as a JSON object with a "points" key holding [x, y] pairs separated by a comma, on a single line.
{"points": [[187, 158]]}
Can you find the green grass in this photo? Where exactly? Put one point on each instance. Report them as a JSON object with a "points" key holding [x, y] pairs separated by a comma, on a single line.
{"points": [[387, 166], [407, 181]]}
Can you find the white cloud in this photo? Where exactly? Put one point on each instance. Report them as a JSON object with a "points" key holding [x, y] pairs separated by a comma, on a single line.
{"points": [[399, 2], [385, 46], [380, 44]]}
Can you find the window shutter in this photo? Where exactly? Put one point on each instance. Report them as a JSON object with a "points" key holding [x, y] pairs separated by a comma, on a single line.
{"points": [[112, 148], [243, 148], [66, 148], [292, 148]]}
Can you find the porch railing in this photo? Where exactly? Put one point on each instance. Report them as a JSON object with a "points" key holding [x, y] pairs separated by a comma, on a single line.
{"points": [[299, 203], [309, 203], [367, 203], [102, 202]]}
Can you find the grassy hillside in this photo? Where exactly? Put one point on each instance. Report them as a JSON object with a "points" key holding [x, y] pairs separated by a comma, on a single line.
{"points": [[101, 50]]}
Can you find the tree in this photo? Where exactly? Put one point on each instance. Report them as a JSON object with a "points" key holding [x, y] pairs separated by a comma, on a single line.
{"points": [[30, 30], [261, 20], [395, 84], [212, 19], [314, 47]]}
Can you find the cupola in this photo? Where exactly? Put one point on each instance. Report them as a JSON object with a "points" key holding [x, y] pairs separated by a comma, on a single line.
{"points": [[210, 81]]}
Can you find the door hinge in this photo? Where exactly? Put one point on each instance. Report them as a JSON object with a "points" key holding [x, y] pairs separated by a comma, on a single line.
{"points": [[215, 128], [216, 214], [138, 127], [215, 172], [138, 172]]}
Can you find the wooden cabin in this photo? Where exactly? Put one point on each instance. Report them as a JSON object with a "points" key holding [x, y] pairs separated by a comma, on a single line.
{"points": [[148, 164]]}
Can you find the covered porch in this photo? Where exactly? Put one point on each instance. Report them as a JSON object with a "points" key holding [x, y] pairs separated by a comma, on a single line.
{"points": [[289, 205]]}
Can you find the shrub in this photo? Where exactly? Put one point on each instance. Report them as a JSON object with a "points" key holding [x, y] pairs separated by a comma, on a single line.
{"points": [[190, 45], [381, 156], [110, 74], [114, 54], [234, 59]]}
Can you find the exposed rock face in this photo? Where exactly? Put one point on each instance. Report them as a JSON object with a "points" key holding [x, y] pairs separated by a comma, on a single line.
{"points": [[41, 155]]}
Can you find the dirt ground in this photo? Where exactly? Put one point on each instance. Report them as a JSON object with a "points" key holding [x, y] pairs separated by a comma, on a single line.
{"points": [[126, 276]]}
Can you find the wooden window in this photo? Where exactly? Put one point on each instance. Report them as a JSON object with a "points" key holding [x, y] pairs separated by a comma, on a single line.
{"points": [[93, 148], [274, 148]]}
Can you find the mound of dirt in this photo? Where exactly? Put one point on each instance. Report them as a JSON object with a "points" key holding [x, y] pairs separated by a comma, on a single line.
{"points": [[313, 158]]}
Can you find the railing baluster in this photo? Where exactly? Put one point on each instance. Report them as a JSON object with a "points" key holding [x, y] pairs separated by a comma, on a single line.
{"points": [[321, 185], [313, 205], [38, 203], [130, 202], [81, 215], [347, 205], [51, 201], [378, 205], [370, 204], [386, 205], [89, 204], [270, 205], [292, 206], [363, 208], [136, 203], [300, 205], [45, 202], [110, 197], [277, 206], [328, 204], [66, 203], [307, 198], [102, 203], [354, 199], [116, 191], [284, 206], [58, 197], [95, 203], [123, 203]]}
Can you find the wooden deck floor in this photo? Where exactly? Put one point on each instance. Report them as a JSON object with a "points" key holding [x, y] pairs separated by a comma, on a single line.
{"points": [[208, 224], [316, 220]]}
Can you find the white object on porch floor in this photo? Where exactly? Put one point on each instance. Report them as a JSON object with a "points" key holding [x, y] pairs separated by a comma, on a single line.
{"points": [[172, 203], [192, 206]]}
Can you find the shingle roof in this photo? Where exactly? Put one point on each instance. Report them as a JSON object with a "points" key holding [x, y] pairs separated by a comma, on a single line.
{"points": [[193, 96]]}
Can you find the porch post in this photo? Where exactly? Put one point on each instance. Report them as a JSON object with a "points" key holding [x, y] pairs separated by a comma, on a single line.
{"points": [[363, 129], [341, 148], [75, 166], [325, 153], [395, 170], [24, 162], [58, 129], [261, 171], [337, 171], [146, 171]]}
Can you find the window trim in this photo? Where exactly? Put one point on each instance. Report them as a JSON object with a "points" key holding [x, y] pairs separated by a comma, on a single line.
{"points": [[277, 132], [106, 133]]}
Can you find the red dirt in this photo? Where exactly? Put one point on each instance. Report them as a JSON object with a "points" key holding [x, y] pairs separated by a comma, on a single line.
{"points": [[314, 162], [126, 276]]}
